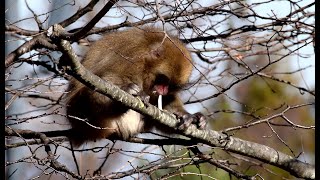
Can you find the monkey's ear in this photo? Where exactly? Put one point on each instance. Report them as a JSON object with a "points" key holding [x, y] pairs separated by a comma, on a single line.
{"points": [[157, 50]]}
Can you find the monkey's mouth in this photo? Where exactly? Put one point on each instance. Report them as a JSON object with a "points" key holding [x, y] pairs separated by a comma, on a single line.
{"points": [[161, 84], [161, 89]]}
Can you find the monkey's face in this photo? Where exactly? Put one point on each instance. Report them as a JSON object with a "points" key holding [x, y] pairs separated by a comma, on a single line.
{"points": [[167, 67]]}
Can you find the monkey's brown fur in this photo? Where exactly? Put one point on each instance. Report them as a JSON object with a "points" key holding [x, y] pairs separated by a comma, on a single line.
{"points": [[143, 57]]}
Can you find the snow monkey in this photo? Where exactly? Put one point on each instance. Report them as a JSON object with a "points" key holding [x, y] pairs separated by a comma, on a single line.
{"points": [[140, 61]]}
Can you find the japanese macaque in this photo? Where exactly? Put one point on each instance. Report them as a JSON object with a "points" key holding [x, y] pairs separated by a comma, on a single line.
{"points": [[144, 62]]}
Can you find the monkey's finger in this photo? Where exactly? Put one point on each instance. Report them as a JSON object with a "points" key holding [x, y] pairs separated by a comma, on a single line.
{"points": [[202, 123], [145, 98], [201, 120], [132, 89], [185, 121]]}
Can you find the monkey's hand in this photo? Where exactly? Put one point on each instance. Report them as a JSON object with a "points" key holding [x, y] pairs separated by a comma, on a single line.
{"points": [[187, 119], [136, 91]]}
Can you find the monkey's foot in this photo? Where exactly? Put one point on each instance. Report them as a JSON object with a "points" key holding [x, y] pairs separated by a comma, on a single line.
{"points": [[136, 91], [197, 119]]}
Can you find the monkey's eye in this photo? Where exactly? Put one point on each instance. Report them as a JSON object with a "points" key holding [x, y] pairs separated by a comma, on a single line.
{"points": [[161, 79]]}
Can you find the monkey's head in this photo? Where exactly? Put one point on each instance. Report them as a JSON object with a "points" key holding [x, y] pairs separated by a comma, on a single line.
{"points": [[169, 64]]}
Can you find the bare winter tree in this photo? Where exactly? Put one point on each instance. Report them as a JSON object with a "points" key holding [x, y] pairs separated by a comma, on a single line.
{"points": [[253, 78]]}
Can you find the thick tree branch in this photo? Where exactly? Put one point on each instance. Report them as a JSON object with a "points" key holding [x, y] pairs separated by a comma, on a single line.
{"points": [[79, 13], [36, 42], [12, 29], [210, 137], [94, 20], [42, 41], [84, 30]]}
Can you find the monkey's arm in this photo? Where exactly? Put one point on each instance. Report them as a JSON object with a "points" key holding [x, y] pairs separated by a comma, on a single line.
{"points": [[174, 104], [90, 103]]}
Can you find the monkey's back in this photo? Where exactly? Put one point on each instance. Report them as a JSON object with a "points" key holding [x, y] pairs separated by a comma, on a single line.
{"points": [[128, 51]]}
